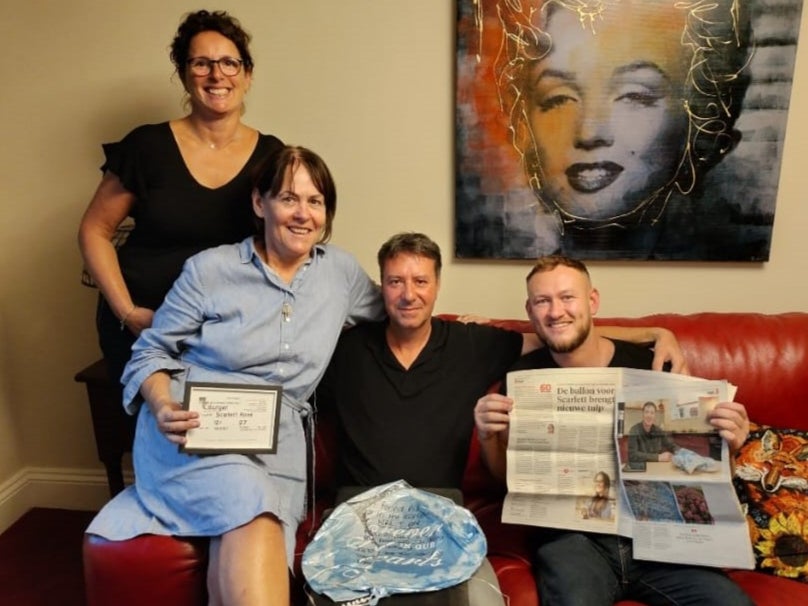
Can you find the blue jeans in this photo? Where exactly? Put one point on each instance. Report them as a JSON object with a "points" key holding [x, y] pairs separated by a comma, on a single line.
{"points": [[587, 569]]}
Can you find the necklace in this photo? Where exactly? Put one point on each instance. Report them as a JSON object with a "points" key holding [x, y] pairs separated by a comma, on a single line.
{"points": [[220, 146], [212, 144]]}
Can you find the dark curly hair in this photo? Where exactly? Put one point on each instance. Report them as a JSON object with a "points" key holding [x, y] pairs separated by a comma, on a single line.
{"points": [[207, 21]]}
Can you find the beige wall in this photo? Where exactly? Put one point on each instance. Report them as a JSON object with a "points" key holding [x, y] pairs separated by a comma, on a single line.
{"points": [[367, 83]]}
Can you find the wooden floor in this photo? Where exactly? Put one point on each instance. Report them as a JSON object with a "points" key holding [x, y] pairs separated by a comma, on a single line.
{"points": [[40, 559]]}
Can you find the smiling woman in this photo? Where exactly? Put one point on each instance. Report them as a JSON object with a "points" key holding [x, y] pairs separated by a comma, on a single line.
{"points": [[295, 205], [265, 311], [185, 182]]}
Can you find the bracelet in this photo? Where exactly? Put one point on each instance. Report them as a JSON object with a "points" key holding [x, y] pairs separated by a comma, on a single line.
{"points": [[126, 316]]}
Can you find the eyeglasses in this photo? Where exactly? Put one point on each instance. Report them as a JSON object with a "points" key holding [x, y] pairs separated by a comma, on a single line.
{"points": [[202, 66]]}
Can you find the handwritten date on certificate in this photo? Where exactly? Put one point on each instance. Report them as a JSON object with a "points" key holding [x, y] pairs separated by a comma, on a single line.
{"points": [[233, 418]]}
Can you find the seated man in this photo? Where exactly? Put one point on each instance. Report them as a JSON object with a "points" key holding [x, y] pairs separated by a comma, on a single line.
{"points": [[648, 442], [403, 390], [592, 569]]}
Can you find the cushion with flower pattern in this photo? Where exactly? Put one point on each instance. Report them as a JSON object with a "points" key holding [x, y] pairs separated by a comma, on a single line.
{"points": [[771, 478]]}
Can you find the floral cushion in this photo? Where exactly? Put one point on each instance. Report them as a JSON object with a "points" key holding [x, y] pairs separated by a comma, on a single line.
{"points": [[771, 478]]}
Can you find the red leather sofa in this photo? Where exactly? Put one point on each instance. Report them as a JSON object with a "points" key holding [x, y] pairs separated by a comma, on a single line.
{"points": [[766, 356]]}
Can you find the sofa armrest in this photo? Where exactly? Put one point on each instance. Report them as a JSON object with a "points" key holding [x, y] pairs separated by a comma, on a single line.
{"points": [[514, 541], [510, 552], [516, 581]]}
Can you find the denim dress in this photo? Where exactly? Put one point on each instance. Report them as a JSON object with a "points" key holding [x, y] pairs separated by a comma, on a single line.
{"points": [[230, 319]]}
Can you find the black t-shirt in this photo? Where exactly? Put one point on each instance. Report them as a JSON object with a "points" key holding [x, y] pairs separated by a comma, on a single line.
{"points": [[176, 217], [626, 355], [413, 424]]}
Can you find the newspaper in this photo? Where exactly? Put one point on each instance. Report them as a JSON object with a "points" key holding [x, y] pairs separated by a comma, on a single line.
{"points": [[578, 459]]}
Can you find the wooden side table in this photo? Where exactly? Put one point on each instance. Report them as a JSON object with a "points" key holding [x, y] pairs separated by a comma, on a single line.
{"points": [[114, 429]]}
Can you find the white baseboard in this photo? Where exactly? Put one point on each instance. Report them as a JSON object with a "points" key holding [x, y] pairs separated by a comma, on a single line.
{"points": [[53, 487]]}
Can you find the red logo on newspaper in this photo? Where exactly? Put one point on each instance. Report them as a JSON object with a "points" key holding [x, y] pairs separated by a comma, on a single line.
{"points": [[545, 388]]}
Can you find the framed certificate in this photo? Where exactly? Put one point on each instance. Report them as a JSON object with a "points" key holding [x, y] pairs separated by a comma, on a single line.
{"points": [[233, 418]]}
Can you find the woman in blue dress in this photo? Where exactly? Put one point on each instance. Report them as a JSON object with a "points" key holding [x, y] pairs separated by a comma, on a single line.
{"points": [[266, 311]]}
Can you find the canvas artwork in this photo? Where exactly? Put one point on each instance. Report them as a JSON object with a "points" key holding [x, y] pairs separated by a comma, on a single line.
{"points": [[621, 129]]}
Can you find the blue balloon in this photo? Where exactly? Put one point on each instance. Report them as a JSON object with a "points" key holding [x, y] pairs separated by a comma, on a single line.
{"points": [[393, 539]]}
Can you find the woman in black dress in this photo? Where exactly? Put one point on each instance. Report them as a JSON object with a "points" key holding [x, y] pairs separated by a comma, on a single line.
{"points": [[185, 182]]}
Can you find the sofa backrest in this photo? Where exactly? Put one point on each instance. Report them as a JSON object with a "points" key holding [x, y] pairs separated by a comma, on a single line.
{"points": [[765, 355]]}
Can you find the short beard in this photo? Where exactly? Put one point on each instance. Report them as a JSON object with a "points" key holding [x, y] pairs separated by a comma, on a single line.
{"points": [[565, 348]]}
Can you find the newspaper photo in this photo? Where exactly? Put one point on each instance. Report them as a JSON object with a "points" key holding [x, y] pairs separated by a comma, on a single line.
{"points": [[629, 452]]}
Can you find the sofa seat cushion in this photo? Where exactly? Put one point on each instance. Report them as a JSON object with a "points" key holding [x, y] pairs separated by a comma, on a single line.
{"points": [[770, 590], [148, 569]]}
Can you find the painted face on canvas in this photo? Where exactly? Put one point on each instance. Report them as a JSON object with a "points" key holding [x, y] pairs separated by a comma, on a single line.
{"points": [[605, 108]]}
